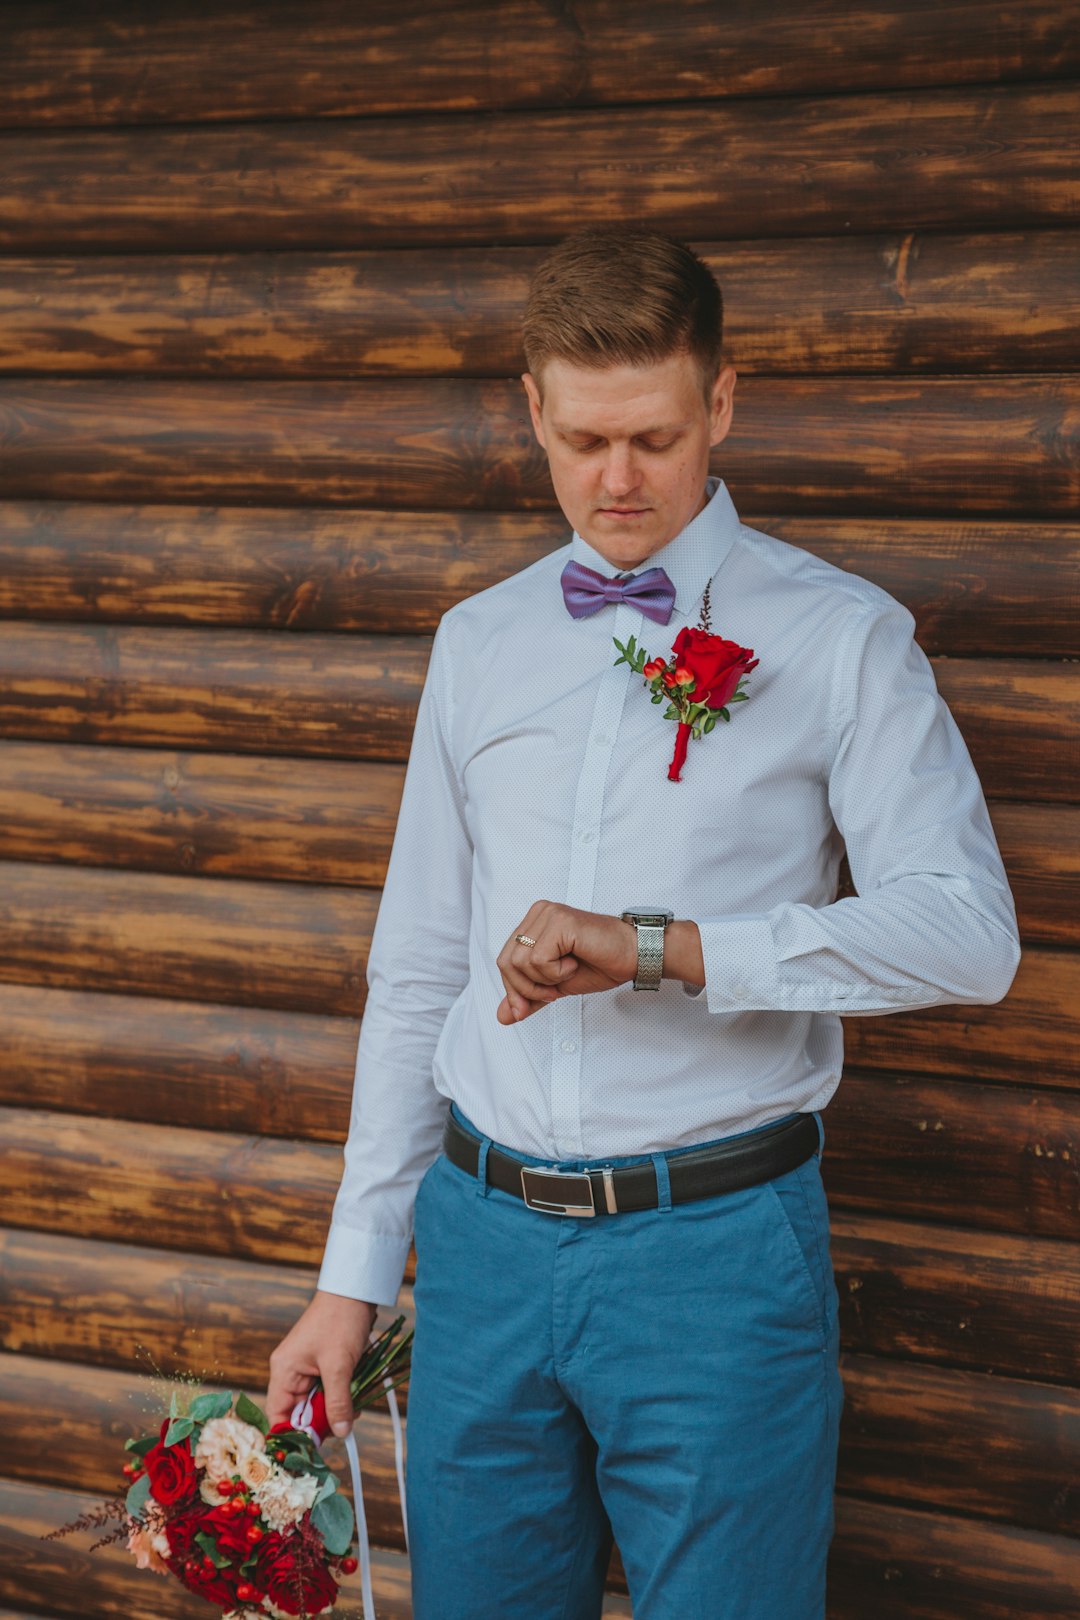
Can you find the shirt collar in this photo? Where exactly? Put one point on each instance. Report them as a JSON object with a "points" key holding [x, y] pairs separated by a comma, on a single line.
{"points": [[691, 559]]}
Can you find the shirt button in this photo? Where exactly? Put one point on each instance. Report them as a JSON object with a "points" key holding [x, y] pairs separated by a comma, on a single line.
{"points": [[740, 992], [586, 837], [569, 1046], [601, 741]]}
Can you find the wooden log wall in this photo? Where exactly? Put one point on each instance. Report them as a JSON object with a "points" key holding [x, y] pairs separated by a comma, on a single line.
{"points": [[260, 425]]}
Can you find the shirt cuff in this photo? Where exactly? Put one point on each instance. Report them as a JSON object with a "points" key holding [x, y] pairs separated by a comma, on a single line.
{"points": [[364, 1265], [741, 972]]}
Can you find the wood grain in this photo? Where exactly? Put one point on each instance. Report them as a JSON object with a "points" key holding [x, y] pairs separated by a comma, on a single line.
{"points": [[195, 1064], [149, 1311], [999, 1158], [242, 1197], [301, 947], [991, 1447], [250, 692], [984, 587], [900, 302], [191, 61], [956, 159], [207, 815], [898, 1564], [1005, 447], [989, 1302]]}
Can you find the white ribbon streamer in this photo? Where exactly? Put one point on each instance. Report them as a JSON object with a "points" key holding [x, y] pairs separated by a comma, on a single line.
{"points": [[301, 1419]]}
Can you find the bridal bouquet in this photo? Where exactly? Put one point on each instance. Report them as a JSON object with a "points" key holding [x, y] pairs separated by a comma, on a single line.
{"points": [[248, 1516]]}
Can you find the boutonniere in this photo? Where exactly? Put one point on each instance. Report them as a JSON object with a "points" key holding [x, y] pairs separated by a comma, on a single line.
{"points": [[703, 675]]}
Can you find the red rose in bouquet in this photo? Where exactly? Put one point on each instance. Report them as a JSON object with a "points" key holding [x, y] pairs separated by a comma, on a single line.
{"points": [[293, 1583], [172, 1472]]}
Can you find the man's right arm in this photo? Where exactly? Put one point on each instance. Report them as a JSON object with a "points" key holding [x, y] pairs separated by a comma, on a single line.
{"points": [[417, 967]]}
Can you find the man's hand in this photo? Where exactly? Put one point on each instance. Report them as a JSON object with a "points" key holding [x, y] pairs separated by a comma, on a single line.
{"points": [[325, 1343], [576, 952]]}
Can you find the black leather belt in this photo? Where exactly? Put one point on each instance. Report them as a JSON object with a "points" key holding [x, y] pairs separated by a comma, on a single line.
{"points": [[699, 1173]]}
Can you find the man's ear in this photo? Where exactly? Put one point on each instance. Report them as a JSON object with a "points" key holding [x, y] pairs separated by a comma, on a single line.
{"points": [[535, 406], [722, 405]]}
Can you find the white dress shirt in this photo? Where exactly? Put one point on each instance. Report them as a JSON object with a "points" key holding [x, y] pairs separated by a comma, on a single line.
{"points": [[538, 771]]}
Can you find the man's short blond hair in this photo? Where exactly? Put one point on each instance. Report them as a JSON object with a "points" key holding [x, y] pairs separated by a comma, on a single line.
{"points": [[623, 297]]}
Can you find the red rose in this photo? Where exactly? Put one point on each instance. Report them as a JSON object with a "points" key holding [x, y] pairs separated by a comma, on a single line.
{"points": [[717, 665], [180, 1532], [215, 1585], [187, 1561], [172, 1471], [294, 1586], [229, 1530]]}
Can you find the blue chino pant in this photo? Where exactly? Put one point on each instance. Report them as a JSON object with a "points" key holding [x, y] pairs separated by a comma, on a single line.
{"points": [[669, 1376]]}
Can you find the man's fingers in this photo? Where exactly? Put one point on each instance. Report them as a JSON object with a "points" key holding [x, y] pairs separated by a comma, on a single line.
{"points": [[339, 1407]]}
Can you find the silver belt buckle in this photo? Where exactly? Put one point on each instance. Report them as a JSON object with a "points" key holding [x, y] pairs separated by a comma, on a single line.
{"points": [[548, 1197]]}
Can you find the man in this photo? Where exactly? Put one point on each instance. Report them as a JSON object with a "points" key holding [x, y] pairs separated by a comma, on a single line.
{"points": [[645, 1342]]}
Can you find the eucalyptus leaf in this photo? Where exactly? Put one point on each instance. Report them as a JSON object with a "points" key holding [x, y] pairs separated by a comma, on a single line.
{"points": [[298, 1463], [137, 1496], [179, 1429], [213, 1405], [139, 1448], [333, 1519], [327, 1488], [248, 1412]]}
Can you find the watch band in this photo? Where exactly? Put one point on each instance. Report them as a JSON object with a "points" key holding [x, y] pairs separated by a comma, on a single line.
{"points": [[650, 924]]}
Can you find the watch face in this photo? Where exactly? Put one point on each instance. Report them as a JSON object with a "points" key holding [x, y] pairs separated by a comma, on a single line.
{"points": [[649, 917]]}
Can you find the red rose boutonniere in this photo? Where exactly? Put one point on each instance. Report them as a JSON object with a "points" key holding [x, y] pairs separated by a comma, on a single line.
{"points": [[702, 677]]}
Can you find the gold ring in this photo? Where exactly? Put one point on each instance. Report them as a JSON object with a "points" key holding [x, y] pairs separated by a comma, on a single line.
{"points": [[523, 939]]}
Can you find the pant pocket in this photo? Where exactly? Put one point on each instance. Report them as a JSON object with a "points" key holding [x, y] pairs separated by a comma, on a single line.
{"points": [[803, 1211]]}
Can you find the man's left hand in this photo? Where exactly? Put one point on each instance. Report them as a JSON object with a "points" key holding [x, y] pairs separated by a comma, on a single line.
{"points": [[576, 952]]}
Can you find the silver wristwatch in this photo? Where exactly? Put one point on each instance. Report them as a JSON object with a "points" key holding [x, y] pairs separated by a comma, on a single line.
{"points": [[650, 923]]}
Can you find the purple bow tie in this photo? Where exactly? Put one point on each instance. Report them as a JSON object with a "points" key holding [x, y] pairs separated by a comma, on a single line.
{"points": [[586, 591]]}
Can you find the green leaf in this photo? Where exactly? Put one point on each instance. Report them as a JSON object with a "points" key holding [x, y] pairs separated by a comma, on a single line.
{"points": [[248, 1412], [333, 1519], [211, 1549], [179, 1429], [299, 1463], [327, 1488], [658, 697], [137, 1496], [213, 1405], [710, 723], [725, 714], [174, 1410], [139, 1448]]}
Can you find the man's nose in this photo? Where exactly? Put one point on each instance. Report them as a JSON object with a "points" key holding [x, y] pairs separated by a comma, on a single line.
{"points": [[621, 472]]}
